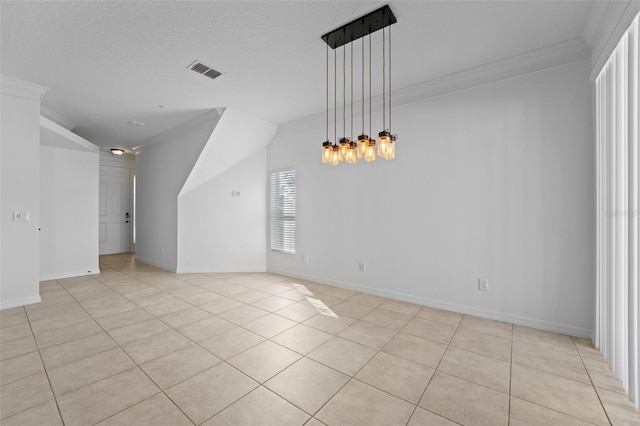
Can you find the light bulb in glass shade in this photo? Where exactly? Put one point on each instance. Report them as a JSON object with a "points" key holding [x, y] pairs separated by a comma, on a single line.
{"points": [[363, 141], [335, 155], [392, 148], [326, 151], [344, 147], [384, 138], [352, 153], [370, 153]]}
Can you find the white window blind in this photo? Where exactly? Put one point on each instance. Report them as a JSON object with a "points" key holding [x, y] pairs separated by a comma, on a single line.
{"points": [[283, 211], [617, 333]]}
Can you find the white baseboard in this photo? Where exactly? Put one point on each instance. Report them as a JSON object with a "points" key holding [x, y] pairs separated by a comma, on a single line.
{"points": [[156, 264], [463, 309], [6, 304], [212, 270], [61, 276]]}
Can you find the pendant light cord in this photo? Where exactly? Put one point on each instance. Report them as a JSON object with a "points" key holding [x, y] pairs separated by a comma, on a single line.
{"points": [[384, 88], [363, 85], [335, 97], [390, 79], [344, 91], [327, 92], [370, 84], [351, 101]]}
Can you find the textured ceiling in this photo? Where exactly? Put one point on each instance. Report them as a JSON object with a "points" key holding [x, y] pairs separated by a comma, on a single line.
{"points": [[109, 62]]}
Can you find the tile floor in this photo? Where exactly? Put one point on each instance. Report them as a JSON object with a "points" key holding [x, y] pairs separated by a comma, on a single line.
{"points": [[136, 345]]}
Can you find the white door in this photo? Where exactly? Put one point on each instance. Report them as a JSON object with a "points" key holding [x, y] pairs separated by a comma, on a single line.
{"points": [[115, 211]]}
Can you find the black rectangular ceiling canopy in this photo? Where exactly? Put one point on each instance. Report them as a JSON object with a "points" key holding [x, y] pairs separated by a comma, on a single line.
{"points": [[367, 24]]}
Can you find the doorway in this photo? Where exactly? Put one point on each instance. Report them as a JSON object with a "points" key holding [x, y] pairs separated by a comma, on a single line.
{"points": [[115, 214]]}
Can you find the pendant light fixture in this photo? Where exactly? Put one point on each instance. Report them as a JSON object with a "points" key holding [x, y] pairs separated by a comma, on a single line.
{"points": [[346, 149]]}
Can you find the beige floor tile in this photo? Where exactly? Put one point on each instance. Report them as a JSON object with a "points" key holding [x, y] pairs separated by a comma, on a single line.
{"points": [[307, 384], [77, 349], [272, 303], [264, 360], [400, 307], [77, 374], [351, 309], [124, 319], [300, 311], [203, 298], [11, 311], [544, 339], [430, 330], [368, 299], [365, 333], [302, 339], [17, 347], [17, 318], [145, 301], [58, 336], [250, 296], [183, 293], [314, 422], [221, 305], [184, 317], [209, 392], [601, 375], [97, 308], [140, 330], [203, 329], [269, 325], [20, 367], [157, 410], [59, 321], [261, 407], [243, 314], [328, 323], [296, 295], [389, 319], [486, 326], [343, 355], [479, 369], [482, 343], [180, 365], [439, 315], [15, 332], [23, 394], [105, 398], [397, 376], [586, 349], [340, 293], [570, 397], [465, 402], [360, 404], [231, 289], [167, 308], [620, 410], [45, 414], [51, 309], [231, 342], [568, 365], [153, 347], [416, 349], [525, 413], [422, 417]]}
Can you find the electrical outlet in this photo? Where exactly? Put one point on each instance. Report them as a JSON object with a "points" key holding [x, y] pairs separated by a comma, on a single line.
{"points": [[362, 266], [305, 258], [483, 284]]}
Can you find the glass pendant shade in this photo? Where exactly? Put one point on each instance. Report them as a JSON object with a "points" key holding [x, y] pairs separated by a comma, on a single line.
{"points": [[326, 151], [384, 139], [370, 153], [363, 141], [352, 153], [344, 147], [335, 155], [392, 148]]}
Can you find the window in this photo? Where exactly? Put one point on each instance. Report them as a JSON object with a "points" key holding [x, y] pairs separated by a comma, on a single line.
{"points": [[283, 211]]}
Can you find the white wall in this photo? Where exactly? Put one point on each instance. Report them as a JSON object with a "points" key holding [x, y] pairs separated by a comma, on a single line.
{"points": [[495, 182], [162, 168], [218, 232], [19, 191], [68, 212]]}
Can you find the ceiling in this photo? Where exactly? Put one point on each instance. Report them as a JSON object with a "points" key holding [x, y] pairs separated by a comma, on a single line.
{"points": [[108, 63]]}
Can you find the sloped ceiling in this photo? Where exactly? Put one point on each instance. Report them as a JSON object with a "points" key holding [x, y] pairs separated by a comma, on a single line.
{"points": [[108, 63]]}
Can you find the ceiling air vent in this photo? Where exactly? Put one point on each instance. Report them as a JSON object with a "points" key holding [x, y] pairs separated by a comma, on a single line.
{"points": [[205, 70]]}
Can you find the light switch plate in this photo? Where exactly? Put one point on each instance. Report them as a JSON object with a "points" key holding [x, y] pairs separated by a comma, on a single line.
{"points": [[21, 216]]}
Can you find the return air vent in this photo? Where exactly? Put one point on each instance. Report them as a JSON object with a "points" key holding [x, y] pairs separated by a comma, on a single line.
{"points": [[205, 70]]}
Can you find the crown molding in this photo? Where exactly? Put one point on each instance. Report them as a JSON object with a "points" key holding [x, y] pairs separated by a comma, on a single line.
{"points": [[22, 89], [536, 60], [56, 118]]}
